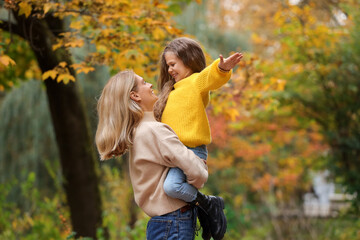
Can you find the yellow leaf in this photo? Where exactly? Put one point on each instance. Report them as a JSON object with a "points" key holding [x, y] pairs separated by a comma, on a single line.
{"points": [[2, 88], [256, 38], [65, 78], [62, 64], [47, 7], [56, 46], [51, 73], [76, 65], [281, 85], [25, 8], [72, 78], [76, 43], [138, 70], [82, 68], [85, 70], [274, 80], [101, 49], [76, 25], [107, 32], [158, 33], [232, 113], [29, 73], [6, 60], [161, 6]]}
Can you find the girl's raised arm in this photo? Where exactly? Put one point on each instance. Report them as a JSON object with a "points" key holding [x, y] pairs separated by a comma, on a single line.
{"points": [[229, 63]]}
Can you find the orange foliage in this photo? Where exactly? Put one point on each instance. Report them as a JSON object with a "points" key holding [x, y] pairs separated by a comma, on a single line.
{"points": [[265, 144], [265, 183], [218, 130]]}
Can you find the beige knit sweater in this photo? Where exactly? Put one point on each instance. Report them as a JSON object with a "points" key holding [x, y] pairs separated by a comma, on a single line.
{"points": [[155, 149]]}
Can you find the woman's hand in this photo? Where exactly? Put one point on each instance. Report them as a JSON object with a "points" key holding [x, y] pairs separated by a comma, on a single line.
{"points": [[229, 63]]}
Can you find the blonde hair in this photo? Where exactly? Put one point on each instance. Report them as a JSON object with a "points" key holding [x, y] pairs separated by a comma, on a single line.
{"points": [[118, 115], [190, 53]]}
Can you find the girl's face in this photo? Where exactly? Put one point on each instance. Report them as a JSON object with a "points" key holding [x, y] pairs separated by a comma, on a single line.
{"points": [[144, 94], [177, 69]]}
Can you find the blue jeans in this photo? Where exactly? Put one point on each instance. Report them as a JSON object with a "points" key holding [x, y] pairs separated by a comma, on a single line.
{"points": [[175, 184], [172, 226]]}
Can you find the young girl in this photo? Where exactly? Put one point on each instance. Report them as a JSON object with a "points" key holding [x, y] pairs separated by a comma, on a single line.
{"points": [[126, 122], [184, 87]]}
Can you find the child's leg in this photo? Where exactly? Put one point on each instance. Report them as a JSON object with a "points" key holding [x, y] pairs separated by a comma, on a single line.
{"points": [[175, 184], [200, 151]]}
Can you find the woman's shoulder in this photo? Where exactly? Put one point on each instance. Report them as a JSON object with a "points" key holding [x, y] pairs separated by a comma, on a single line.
{"points": [[154, 128]]}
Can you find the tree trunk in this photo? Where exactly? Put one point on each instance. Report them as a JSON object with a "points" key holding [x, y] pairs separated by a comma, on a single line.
{"points": [[71, 127], [77, 158]]}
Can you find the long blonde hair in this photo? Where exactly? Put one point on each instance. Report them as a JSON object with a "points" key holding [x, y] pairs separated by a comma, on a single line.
{"points": [[118, 115], [191, 54]]}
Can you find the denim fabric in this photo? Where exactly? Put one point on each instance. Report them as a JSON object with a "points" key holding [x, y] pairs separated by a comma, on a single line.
{"points": [[172, 226], [175, 184], [200, 151]]}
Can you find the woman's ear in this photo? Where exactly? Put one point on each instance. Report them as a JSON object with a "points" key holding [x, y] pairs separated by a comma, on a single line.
{"points": [[134, 96]]}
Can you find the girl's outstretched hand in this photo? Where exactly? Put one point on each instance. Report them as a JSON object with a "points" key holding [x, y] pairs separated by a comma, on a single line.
{"points": [[229, 63]]}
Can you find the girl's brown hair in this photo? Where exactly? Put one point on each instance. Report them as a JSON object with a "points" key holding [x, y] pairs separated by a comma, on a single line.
{"points": [[188, 51], [118, 115]]}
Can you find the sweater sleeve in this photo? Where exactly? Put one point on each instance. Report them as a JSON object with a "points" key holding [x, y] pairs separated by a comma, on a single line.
{"points": [[175, 154], [212, 77]]}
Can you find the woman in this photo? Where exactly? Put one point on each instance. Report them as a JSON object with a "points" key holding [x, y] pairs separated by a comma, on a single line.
{"points": [[126, 122]]}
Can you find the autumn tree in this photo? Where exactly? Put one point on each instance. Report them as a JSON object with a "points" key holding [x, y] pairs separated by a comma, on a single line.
{"points": [[324, 84], [307, 43], [265, 141], [120, 34]]}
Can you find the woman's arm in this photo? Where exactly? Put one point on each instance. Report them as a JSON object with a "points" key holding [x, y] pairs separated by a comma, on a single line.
{"points": [[175, 154]]}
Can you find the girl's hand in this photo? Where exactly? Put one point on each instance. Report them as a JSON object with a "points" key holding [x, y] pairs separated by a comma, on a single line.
{"points": [[229, 63]]}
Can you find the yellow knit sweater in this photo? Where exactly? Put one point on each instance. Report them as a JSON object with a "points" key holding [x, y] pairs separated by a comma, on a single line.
{"points": [[185, 109]]}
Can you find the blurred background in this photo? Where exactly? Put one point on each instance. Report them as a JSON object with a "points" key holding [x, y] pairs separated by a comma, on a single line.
{"points": [[285, 151]]}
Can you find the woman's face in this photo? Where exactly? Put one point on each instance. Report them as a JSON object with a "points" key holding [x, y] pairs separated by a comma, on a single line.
{"points": [[146, 96]]}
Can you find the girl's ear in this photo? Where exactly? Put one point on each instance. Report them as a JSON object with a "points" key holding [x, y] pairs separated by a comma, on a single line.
{"points": [[134, 96]]}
